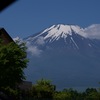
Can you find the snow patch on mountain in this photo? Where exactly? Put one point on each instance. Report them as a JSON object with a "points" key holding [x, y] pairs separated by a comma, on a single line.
{"points": [[74, 43], [61, 31]]}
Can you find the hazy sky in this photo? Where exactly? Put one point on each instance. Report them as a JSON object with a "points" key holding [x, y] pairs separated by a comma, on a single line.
{"points": [[26, 17]]}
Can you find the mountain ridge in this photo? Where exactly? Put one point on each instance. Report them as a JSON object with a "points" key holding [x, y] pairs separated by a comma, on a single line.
{"points": [[84, 31]]}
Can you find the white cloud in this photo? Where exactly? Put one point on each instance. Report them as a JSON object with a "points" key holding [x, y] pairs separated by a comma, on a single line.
{"points": [[93, 31], [16, 38], [83, 33], [34, 50], [40, 40]]}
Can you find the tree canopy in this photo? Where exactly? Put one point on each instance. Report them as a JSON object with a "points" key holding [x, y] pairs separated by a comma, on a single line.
{"points": [[43, 89], [13, 60]]}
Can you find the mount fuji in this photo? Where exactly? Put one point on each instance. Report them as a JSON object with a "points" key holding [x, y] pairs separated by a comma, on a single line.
{"points": [[66, 54]]}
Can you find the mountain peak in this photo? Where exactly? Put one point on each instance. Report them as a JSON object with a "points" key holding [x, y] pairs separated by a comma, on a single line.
{"points": [[61, 31], [61, 28]]}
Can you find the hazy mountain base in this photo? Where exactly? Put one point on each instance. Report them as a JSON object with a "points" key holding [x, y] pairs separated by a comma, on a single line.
{"points": [[65, 69]]}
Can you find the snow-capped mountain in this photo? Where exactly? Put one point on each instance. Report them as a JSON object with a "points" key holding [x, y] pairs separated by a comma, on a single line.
{"points": [[66, 54], [56, 32]]}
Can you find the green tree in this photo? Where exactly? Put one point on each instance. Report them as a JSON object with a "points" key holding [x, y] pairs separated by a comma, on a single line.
{"points": [[43, 89], [92, 94], [13, 60], [62, 95]]}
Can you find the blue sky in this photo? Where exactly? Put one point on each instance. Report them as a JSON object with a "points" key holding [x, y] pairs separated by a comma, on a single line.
{"points": [[26, 17]]}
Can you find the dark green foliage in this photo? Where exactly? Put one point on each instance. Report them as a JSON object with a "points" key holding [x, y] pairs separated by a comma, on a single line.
{"points": [[73, 93], [62, 96], [92, 94], [70, 94], [43, 89], [12, 62], [10, 93]]}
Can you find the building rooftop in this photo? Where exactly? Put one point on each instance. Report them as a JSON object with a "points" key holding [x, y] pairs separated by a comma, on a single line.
{"points": [[5, 37]]}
